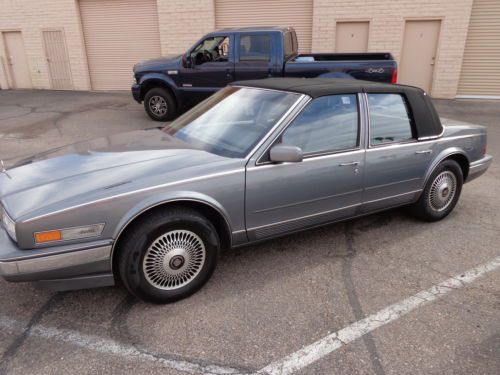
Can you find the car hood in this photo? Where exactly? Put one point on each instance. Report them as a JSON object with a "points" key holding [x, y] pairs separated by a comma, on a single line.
{"points": [[162, 63], [93, 167]]}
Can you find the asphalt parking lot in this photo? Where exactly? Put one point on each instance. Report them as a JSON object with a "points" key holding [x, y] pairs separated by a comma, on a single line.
{"points": [[332, 300]]}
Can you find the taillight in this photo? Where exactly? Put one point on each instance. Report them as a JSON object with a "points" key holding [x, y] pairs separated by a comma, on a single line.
{"points": [[394, 78]]}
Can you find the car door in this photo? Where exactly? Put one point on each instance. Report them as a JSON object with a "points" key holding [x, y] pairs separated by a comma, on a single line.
{"points": [[202, 76], [396, 162], [325, 186], [254, 55]]}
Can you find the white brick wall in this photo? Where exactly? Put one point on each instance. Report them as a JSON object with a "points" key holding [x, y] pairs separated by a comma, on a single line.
{"points": [[30, 17], [182, 22], [387, 20]]}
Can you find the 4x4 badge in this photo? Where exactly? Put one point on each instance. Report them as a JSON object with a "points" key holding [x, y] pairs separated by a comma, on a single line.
{"points": [[3, 170]]}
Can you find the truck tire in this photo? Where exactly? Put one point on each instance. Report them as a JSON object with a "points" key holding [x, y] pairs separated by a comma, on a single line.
{"points": [[159, 104], [441, 193], [168, 255]]}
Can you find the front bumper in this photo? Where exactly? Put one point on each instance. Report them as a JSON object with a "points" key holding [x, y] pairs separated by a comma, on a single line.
{"points": [[136, 92], [479, 167], [63, 263]]}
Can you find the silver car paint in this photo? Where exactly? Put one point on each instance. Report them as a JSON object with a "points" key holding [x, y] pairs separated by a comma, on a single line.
{"points": [[114, 179]]}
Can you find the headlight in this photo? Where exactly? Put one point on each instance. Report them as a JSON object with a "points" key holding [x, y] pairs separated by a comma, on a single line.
{"points": [[67, 234], [8, 224]]}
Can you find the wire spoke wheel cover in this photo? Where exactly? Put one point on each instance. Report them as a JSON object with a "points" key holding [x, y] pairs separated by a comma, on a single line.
{"points": [[442, 191], [158, 105], [174, 259]]}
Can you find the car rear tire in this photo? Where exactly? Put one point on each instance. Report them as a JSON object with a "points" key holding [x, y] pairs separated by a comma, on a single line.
{"points": [[441, 193], [168, 255], [160, 104]]}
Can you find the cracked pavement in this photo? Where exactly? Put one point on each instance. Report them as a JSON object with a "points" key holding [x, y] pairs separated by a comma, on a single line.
{"points": [[269, 300]]}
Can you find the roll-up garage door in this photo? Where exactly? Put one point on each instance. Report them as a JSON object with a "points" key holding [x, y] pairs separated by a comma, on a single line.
{"points": [[295, 13], [118, 34], [481, 65]]}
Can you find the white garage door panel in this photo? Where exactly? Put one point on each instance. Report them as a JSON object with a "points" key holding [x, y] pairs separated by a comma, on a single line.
{"points": [[118, 34], [481, 65], [295, 13]]}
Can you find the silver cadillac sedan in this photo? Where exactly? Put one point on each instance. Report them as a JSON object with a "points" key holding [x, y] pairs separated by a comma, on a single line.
{"points": [[259, 159]]}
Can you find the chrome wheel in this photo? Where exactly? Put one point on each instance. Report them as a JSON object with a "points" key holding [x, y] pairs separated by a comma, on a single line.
{"points": [[174, 259], [442, 191], [158, 105]]}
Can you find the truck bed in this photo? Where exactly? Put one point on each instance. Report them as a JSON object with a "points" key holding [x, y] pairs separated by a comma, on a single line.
{"points": [[377, 67]]}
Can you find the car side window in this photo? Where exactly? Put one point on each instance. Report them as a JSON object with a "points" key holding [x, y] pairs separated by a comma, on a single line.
{"points": [[255, 48], [327, 124], [390, 119]]}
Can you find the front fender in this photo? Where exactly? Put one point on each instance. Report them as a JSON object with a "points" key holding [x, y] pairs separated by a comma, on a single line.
{"points": [[440, 157], [160, 79], [168, 197]]}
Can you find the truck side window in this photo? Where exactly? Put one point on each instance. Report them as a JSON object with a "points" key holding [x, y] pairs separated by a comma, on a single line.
{"points": [[327, 124], [213, 49], [390, 119], [255, 48]]}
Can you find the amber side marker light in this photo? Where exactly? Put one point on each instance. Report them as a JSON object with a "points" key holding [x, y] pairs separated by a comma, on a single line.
{"points": [[53, 235], [93, 230]]}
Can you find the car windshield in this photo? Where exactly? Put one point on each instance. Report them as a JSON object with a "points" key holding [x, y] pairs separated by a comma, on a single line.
{"points": [[231, 122]]}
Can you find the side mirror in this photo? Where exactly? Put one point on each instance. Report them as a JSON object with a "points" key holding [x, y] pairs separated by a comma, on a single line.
{"points": [[187, 60], [286, 154]]}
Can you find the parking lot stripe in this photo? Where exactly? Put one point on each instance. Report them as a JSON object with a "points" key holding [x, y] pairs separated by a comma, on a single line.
{"points": [[112, 347], [328, 344]]}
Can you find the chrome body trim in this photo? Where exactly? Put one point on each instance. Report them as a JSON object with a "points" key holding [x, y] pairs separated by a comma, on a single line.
{"points": [[320, 154], [122, 229], [304, 217], [394, 196], [302, 104], [168, 184], [479, 167], [309, 159], [71, 239], [309, 201], [50, 262]]}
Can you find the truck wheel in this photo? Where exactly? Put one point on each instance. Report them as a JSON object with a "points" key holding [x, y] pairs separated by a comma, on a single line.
{"points": [[168, 255], [159, 104], [441, 192]]}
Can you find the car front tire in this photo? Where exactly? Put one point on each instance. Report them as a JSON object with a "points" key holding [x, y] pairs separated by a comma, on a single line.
{"points": [[168, 255], [441, 193], [159, 104]]}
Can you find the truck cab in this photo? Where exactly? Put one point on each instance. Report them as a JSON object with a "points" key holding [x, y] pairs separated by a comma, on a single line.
{"points": [[171, 85]]}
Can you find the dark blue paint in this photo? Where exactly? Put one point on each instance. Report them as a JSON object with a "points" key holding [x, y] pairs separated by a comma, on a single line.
{"points": [[191, 83]]}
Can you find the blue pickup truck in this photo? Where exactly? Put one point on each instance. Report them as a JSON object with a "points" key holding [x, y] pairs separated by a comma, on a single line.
{"points": [[170, 85]]}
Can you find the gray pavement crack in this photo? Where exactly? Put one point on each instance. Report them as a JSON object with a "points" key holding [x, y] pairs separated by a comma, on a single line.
{"points": [[353, 298], [12, 350], [120, 332]]}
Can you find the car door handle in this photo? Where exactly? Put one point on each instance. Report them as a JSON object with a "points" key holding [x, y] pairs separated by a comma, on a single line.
{"points": [[424, 152], [347, 164]]}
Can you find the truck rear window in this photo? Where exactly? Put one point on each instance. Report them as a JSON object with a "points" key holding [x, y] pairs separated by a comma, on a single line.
{"points": [[288, 44]]}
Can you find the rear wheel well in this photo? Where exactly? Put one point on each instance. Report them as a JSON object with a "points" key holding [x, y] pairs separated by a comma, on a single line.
{"points": [[152, 83], [462, 161], [212, 214]]}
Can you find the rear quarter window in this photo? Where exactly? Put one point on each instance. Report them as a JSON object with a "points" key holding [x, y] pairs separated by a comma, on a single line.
{"points": [[390, 119]]}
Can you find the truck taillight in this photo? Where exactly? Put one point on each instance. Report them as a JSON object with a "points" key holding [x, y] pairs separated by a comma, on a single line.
{"points": [[394, 78]]}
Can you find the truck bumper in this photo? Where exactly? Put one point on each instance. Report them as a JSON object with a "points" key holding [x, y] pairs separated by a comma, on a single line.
{"points": [[478, 167], [136, 92], [58, 268]]}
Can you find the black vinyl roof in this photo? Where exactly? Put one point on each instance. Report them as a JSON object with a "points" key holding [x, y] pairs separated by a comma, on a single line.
{"points": [[426, 119], [315, 87]]}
